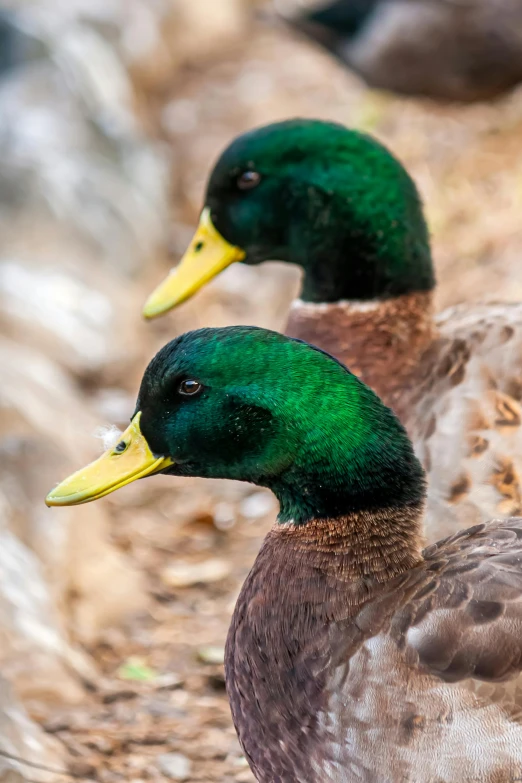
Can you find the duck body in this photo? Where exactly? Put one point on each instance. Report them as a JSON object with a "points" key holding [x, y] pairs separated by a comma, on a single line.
{"points": [[336, 203], [353, 654], [453, 50], [332, 677]]}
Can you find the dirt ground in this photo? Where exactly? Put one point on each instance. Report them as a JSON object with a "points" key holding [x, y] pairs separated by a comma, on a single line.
{"points": [[162, 690]]}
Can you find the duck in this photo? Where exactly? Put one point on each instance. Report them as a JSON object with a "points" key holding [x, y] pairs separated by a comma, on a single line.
{"points": [[339, 205], [444, 50], [354, 654]]}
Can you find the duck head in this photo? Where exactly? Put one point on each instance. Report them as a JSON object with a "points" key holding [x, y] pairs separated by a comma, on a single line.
{"points": [[250, 404], [335, 26], [312, 193]]}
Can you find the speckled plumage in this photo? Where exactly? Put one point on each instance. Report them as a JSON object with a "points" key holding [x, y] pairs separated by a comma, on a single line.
{"points": [[460, 50], [455, 380], [334, 677]]}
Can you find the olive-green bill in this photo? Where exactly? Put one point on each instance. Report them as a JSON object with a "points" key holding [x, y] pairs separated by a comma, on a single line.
{"points": [[129, 460], [208, 254]]}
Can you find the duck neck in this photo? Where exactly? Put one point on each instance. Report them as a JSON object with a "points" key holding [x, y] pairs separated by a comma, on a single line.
{"points": [[382, 340], [360, 546]]}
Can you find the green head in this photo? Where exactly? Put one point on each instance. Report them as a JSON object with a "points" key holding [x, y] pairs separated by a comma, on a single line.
{"points": [[249, 404], [312, 193]]}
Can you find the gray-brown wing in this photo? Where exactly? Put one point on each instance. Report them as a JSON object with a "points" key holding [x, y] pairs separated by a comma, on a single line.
{"points": [[467, 421], [431, 692], [464, 618]]}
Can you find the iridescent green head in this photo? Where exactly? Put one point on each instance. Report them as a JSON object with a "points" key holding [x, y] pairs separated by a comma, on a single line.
{"points": [[312, 193], [249, 404]]}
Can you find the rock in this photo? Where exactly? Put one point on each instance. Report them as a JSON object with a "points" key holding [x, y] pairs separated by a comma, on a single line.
{"points": [[168, 682], [21, 738], [105, 587], [245, 777], [211, 654], [83, 191], [73, 142], [34, 653], [84, 201], [73, 315], [183, 574], [175, 766], [45, 432], [224, 516], [257, 505], [238, 761]]}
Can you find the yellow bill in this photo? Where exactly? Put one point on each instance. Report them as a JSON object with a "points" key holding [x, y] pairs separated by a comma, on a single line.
{"points": [[208, 254], [129, 460]]}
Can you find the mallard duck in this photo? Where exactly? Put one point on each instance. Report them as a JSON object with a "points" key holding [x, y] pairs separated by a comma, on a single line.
{"points": [[353, 655], [453, 50], [342, 207]]}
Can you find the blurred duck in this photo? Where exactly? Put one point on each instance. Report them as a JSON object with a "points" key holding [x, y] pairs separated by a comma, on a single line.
{"points": [[353, 655], [455, 50], [342, 207]]}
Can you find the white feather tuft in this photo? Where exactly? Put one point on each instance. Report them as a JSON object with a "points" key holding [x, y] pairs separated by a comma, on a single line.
{"points": [[109, 434]]}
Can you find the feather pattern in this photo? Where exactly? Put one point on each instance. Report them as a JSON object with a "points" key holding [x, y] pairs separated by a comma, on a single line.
{"points": [[455, 380], [340, 678]]}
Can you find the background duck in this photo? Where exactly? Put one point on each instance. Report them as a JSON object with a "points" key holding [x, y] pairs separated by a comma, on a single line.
{"points": [[338, 204], [346, 637], [456, 50]]}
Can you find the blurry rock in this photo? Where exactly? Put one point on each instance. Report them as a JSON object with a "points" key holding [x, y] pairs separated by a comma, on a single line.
{"points": [[258, 505], [83, 191], [83, 318], [206, 26], [45, 433], [16, 45], [175, 766], [38, 397], [105, 588], [22, 738], [150, 40], [224, 516], [72, 140], [52, 306], [211, 654], [239, 761], [245, 777], [185, 574], [95, 175], [168, 681], [34, 655]]}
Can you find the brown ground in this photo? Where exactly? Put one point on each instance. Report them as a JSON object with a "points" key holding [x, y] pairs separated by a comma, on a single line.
{"points": [[467, 162]]}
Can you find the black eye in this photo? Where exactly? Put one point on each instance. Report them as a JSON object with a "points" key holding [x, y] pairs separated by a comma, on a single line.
{"points": [[248, 180], [189, 387]]}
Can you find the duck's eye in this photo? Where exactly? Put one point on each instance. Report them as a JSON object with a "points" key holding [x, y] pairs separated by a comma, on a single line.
{"points": [[248, 180], [189, 387]]}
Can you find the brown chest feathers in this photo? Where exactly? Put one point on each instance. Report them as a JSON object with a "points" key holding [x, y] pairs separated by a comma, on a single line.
{"points": [[455, 381]]}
